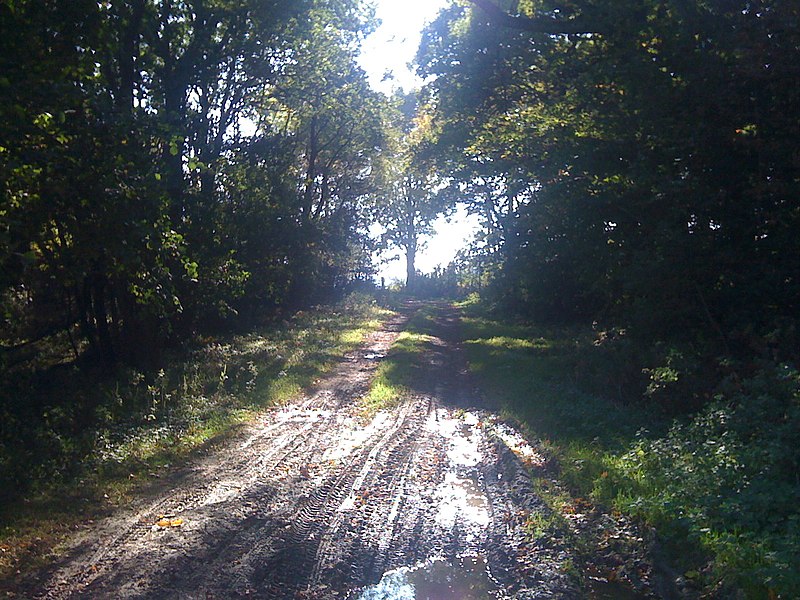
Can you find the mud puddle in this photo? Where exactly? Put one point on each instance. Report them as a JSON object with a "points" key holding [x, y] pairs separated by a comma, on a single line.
{"points": [[462, 498], [467, 578]]}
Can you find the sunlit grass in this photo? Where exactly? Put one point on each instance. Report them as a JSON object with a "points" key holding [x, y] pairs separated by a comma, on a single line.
{"points": [[382, 395], [514, 343], [402, 367], [702, 484], [396, 372]]}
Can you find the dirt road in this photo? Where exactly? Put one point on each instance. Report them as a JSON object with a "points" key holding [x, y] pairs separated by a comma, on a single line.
{"points": [[317, 501]]}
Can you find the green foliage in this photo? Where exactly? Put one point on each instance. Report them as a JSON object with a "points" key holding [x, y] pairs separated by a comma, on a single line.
{"points": [[405, 367], [720, 484], [727, 479], [613, 182], [157, 174]]}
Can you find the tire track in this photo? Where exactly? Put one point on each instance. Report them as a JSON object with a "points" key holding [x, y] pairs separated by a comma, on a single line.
{"points": [[123, 546], [315, 502], [301, 557]]}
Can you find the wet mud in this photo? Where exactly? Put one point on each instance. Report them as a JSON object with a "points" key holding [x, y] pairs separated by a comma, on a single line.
{"points": [[430, 499]]}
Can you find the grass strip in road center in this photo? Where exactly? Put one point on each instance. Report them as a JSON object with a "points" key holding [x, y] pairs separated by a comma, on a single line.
{"points": [[402, 369]]}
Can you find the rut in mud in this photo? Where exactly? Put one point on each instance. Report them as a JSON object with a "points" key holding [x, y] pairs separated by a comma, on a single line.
{"points": [[315, 501]]}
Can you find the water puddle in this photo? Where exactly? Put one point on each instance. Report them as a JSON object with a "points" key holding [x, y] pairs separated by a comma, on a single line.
{"points": [[352, 436], [222, 492], [461, 434], [467, 578], [278, 420], [461, 497]]}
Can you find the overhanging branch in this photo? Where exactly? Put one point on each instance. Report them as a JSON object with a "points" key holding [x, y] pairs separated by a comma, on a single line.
{"points": [[532, 24]]}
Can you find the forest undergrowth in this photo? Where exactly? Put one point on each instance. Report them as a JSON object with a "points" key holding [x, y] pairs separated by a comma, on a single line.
{"points": [[718, 484]]}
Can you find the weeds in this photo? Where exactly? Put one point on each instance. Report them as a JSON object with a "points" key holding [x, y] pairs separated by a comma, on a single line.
{"points": [[402, 368], [396, 372], [96, 442]]}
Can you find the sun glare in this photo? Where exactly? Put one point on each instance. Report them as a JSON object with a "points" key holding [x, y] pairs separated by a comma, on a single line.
{"points": [[387, 53]]}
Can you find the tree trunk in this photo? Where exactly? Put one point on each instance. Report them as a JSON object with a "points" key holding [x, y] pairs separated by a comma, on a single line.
{"points": [[141, 342], [411, 270], [83, 298], [172, 157], [100, 309], [128, 53], [311, 172], [69, 321]]}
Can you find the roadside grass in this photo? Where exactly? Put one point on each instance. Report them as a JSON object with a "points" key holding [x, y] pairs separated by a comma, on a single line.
{"points": [[719, 485], [60, 477]]}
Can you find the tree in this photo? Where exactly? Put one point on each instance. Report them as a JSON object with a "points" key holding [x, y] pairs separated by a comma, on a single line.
{"points": [[125, 144], [650, 153], [553, 23], [332, 123], [411, 197]]}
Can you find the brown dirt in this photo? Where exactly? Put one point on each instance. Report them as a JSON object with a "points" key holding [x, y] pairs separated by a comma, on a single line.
{"points": [[316, 501]]}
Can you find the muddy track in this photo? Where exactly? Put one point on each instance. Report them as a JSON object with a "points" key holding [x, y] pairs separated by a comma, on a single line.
{"points": [[315, 501]]}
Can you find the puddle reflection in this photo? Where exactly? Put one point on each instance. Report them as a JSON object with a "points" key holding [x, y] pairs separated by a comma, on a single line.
{"points": [[466, 579], [460, 496]]}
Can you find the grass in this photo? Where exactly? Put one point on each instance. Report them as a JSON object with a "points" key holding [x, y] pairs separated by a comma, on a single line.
{"points": [[403, 368], [719, 484], [144, 423]]}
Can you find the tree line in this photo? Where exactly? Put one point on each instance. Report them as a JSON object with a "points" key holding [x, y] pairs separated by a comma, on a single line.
{"points": [[179, 164], [174, 164], [634, 164]]}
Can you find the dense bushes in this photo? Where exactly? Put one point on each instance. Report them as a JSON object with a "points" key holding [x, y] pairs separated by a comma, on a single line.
{"points": [[636, 174], [726, 478]]}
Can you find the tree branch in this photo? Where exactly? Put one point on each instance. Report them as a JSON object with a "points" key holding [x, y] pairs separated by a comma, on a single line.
{"points": [[534, 25]]}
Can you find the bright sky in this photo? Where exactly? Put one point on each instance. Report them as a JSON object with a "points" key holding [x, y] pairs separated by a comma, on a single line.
{"points": [[440, 249], [390, 49], [393, 46]]}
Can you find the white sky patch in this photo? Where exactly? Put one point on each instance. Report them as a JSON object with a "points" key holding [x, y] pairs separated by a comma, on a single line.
{"points": [[441, 248], [394, 44]]}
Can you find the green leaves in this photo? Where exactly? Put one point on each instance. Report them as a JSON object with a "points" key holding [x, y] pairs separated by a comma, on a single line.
{"points": [[44, 121], [130, 164]]}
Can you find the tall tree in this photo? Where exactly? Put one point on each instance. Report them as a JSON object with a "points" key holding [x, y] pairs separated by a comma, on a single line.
{"points": [[642, 149], [412, 196], [126, 137]]}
